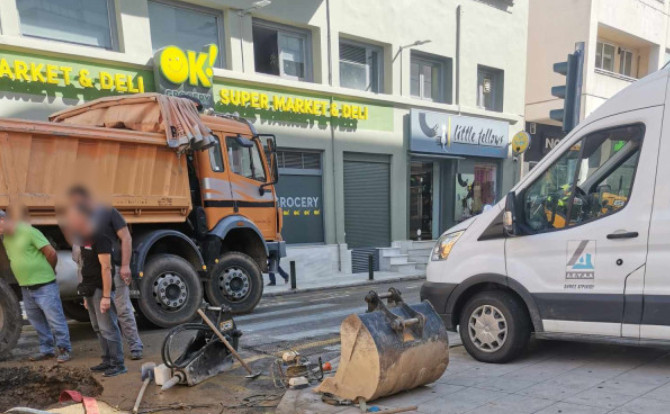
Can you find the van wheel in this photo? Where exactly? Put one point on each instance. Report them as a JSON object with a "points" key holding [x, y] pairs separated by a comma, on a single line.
{"points": [[235, 281], [494, 327], [11, 320], [170, 291], [74, 309]]}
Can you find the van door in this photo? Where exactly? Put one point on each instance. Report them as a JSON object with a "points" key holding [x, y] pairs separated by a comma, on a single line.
{"points": [[584, 223]]}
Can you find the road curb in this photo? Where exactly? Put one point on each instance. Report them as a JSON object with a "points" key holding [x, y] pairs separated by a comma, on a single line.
{"points": [[353, 284]]}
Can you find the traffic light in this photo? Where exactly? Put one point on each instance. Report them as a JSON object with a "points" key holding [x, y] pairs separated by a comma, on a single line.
{"points": [[571, 92]]}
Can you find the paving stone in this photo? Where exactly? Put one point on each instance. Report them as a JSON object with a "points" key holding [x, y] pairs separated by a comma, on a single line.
{"points": [[567, 408], [633, 388], [647, 405], [517, 404], [503, 384], [598, 397]]}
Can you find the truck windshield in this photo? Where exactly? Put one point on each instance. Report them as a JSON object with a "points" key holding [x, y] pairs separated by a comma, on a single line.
{"points": [[245, 161]]}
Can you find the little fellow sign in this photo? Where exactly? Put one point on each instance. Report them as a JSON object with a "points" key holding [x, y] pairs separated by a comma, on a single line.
{"points": [[443, 133]]}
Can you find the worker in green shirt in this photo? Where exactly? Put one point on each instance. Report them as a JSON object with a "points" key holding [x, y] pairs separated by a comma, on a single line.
{"points": [[33, 262]]}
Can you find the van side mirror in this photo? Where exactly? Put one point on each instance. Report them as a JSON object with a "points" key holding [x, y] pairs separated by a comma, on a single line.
{"points": [[509, 215]]}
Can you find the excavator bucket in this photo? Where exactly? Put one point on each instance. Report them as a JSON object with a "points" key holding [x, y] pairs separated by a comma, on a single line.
{"points": [[388, 349]]}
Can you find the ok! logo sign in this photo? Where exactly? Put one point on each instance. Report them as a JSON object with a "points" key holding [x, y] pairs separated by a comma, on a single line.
{"points": [[195, 68]]}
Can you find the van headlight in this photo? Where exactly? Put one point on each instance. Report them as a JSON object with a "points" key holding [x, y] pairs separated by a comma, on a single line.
{"points": [[444, 245]]}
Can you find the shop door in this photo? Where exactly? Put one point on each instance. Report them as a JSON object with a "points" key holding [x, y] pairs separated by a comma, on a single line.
{"points": [[300, 194], [421, 200], [367, 210]]}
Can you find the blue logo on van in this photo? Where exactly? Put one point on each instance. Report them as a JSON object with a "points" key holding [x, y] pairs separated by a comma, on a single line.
{"points": [[581, 260]]}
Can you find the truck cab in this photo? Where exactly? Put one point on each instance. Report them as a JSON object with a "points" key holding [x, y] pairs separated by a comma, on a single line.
{"points": [[578, 249]]}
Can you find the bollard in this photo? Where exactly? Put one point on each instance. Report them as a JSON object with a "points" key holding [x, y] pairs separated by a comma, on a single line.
{"points": [[371, 267], [293, 281]]}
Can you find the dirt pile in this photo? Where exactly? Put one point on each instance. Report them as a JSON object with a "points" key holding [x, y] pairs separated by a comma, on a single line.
{"points": [[39, 387]]}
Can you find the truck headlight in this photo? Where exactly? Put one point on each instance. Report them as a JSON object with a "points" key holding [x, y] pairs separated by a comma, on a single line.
{"points": [[444, 245]]}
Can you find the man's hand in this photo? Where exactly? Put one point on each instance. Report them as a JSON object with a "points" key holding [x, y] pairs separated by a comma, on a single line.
{"points": [[126, 276], [85, 304], [105, 304]]}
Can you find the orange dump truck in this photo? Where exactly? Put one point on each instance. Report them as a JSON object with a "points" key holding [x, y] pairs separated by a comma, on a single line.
{"points": [[202, 212]]}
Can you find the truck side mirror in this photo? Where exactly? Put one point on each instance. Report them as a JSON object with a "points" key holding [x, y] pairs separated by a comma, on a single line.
{"points": [[509, 215]]}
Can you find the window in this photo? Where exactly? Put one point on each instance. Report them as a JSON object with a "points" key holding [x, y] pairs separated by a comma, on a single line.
{"points": [[245, 159], [188, 27], [475, 189], [625, 62], [605, 56], [215, 157], [85, 22], [360, 66], [490, 88], [428, 79], [594, 178], [282, 51], [299, 160]]}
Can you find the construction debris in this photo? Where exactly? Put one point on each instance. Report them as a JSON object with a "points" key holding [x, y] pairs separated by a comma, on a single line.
{"points": [[388, 349], [296, 371]]}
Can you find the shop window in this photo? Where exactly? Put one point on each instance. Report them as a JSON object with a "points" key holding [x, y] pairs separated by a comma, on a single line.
{"points": [[430, 78], [475, 189], [605, 56], [490, 87], [299, 160], [360, 66], [625, 62], [185, 26], [282, 51], [84, 22]]}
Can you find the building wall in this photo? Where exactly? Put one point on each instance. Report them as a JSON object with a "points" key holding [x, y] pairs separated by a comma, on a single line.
{"points": [[493, 33], [555, 27]]}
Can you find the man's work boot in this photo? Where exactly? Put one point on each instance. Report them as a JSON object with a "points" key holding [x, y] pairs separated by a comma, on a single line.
{"points": [[41, 357], [135, 355], [114, 371], [100, 367], [63, 356]]}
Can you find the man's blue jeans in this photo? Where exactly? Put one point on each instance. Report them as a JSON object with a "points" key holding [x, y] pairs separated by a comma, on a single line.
{"points": [[106, 326], [45, 313]]}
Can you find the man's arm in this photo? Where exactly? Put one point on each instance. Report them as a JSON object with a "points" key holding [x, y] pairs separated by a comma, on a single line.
{"points": [[50, 253], [106, 267], [126, 251]]}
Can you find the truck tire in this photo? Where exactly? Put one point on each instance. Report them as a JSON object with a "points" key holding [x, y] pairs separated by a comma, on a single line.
{"points": [[494, 326], [170, 291], [11, 320], [235, 281], [74, 309]]}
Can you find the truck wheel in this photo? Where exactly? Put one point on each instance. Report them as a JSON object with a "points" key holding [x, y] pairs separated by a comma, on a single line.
{"points": [[11, 320], [170, 291], [494, 327], [235, 281], [74, 309]]}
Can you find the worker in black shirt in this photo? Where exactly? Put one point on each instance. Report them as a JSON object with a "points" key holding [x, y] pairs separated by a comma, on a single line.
{"points": [[97, 287]]}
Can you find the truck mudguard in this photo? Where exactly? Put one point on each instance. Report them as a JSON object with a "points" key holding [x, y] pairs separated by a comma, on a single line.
{"points": [[143, 243], [455, 298], [233, 222]]}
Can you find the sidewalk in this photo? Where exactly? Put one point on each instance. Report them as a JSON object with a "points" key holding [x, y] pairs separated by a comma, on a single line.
{"points": [[553, 378], [335, 280]]}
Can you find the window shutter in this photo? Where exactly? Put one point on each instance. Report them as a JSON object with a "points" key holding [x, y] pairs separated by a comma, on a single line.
{"points": [[351, 53]]}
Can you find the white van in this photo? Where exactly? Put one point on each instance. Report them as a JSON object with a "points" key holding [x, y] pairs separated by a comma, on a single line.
{"points": [[579, 249]]}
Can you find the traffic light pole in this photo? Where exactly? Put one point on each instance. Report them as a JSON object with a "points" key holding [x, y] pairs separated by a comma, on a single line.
{"points": [[571, 92]]}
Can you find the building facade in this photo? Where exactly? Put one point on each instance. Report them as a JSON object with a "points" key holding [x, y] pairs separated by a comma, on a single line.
{"points": [[392, 118], [624, 41]]}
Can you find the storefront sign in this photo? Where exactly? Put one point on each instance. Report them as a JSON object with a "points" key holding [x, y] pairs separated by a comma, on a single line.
{"points": [[284, 103], [36, 71], [443, 133], [186, 73], [545, 138]]}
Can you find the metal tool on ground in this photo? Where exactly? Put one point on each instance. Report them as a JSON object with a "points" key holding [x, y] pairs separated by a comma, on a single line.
{"points": [[233, 351], [287, 371], [197, 351], [147, 370], [388, 349]]}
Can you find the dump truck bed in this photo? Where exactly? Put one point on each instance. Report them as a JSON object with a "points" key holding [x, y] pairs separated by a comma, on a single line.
{"points": [[135, 171]]}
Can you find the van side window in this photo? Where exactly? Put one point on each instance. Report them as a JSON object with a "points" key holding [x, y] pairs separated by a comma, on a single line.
{"points": [[592, 179], [215, 156], [245, 160]]}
